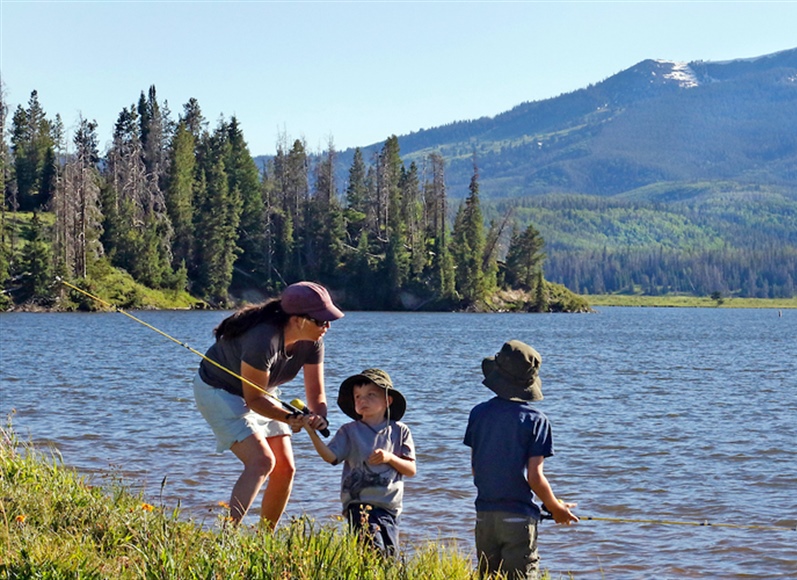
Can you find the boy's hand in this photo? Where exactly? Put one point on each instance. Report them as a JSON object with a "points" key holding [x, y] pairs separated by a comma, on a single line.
{"points": [[312, 421], [380, 456], [562, 515]]}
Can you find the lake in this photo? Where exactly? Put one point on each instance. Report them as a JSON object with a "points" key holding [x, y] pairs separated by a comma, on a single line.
{"points": [[658, 414]]}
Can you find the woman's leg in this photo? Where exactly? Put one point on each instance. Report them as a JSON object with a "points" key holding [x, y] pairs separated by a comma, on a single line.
{"points": [[259, 462], [280, 481]]}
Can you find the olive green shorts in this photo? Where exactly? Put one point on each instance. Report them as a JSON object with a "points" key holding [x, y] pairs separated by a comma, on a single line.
{"points": [[507, 542]]}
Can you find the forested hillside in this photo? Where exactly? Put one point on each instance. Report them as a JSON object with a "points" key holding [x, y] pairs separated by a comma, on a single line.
{"points": [[664, 178], [706, 238], [179, 205], [656, 121]]}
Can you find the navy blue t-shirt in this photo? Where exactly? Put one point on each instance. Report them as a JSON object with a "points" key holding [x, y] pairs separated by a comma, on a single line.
{"points": [[503, 435]]}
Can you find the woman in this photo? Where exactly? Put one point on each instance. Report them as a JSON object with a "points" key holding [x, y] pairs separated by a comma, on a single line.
{"points": [[265, 344]]}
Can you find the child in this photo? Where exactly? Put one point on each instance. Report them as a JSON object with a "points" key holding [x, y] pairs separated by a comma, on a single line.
{"points": [[377, 451], [509, 441]]}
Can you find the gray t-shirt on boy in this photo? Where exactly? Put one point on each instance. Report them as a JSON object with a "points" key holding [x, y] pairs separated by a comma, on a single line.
{"points": [[376, 485]]}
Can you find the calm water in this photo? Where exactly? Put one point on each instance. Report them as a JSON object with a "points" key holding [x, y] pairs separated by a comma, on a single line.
{"points": [[666, 414]]}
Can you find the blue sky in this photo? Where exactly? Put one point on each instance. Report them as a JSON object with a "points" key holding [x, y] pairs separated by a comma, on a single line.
{"points": [[355, 72]]}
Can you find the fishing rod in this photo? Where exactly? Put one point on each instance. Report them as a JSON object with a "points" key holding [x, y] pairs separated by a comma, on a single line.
{"points": [[295, 410], [546, 515]]}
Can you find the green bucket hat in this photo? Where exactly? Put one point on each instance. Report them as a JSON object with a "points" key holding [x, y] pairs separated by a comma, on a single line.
{"points": [[513, 373], [382, 380]]}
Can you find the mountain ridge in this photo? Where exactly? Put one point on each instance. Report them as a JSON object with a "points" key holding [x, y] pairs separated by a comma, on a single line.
{"points": [[657, 120]]}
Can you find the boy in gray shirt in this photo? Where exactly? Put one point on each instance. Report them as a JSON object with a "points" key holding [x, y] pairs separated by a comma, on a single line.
{"points": [[377, 452]]}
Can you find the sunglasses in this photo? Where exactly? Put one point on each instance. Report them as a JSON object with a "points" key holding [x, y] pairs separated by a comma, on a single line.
{"points": [[318, 323]]}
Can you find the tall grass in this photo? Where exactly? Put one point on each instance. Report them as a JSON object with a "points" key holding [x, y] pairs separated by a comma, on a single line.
{"points": [[55, 525]]}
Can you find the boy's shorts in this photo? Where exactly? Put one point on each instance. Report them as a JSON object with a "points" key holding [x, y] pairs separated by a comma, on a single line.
{"points": [[375, 525], [507, 541], [230, 418]]}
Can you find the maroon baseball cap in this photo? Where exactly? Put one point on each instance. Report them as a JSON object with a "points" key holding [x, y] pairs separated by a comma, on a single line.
{"points": [[311, 299]]}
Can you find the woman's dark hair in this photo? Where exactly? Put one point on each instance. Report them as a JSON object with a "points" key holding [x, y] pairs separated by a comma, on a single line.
{"points": [[248, 316]]}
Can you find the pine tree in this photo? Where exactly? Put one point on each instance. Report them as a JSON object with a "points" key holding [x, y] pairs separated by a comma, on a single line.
{"points": [[357, 192], [524, 258], [326, 237], [244, 182], [392, 226], [34, 159], [179, 194], [36, 265], [441, 268], [217, 218], [468, 245]]}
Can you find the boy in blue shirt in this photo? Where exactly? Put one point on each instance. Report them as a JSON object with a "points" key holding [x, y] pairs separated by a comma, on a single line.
{"points": [[377, 453], [509, 440]]}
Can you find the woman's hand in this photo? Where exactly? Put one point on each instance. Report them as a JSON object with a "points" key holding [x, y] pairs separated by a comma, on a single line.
{"points": [[295, 422]]}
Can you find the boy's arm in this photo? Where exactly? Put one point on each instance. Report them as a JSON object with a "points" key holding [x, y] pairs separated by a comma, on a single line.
{"points": [[542, 489], [321, 447], [404, 466]]}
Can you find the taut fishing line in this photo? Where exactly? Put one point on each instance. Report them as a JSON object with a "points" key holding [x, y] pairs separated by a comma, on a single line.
{"points": [[286, 406]]}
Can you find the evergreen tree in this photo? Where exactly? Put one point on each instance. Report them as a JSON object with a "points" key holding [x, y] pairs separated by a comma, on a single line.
{"points": [[179, 194], [328, 233], [468, 246], [357, 195], [217, 217], [441, 268], [141, 233], [541, 298], [292, 191], [244, 182], [34, 159], [155, 129], [36, 265], [524, 258], [392, 226], [412, 212]]}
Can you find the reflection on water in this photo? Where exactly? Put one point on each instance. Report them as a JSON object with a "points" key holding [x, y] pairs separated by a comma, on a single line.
{"points": [[664, 414]]}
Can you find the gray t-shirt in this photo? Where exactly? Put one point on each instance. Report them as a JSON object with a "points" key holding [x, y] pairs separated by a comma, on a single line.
{"points": [[377, 485], [261, 347]]}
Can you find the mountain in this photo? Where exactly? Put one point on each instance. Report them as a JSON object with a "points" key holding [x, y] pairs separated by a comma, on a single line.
{"points": [[658, 121]]}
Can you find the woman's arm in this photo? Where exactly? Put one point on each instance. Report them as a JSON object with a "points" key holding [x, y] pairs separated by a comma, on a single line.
{"points": [[256, 399], [314, 388], [314, 391]]}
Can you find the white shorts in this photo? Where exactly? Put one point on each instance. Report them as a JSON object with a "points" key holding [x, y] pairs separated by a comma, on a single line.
{"points": [[230, 418]]}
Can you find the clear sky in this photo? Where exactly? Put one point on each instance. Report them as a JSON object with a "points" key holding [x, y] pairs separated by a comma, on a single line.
{"points": [[355, 72]]}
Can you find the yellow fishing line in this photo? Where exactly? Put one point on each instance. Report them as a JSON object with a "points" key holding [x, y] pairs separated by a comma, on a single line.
{"points": [[680, 523], [196, 352]]}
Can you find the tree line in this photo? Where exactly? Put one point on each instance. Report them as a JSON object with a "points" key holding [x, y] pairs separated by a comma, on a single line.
{"points": [[180, 205]]}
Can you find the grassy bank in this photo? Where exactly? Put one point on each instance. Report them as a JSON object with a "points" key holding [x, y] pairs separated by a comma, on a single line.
{"points": [[54, 524], [689, 301]]}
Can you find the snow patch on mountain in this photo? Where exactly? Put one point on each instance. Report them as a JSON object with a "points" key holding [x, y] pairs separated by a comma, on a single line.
{"points": [[681, 73]]}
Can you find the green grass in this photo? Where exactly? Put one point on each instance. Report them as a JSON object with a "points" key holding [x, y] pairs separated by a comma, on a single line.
{"points": [[672, 301], [54, 524]]}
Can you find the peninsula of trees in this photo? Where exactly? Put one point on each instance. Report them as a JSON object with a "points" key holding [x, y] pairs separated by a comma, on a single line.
{"points": [[181, 206]]}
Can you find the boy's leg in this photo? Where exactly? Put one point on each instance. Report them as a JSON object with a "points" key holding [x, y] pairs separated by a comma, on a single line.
{"points": [[521, 558], [488, 545], [508, 542], [375, 525]]}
